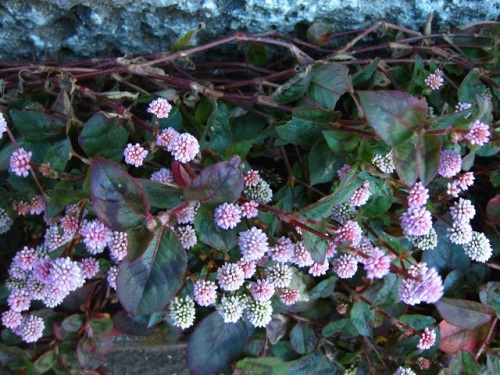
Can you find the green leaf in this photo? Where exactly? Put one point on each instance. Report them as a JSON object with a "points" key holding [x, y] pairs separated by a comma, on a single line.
{"points": [[388, 294], [405, 161], [418, 322], [428, 157], [495, 178], [341, 143], [490, 295], [342, 326], [294, 88], [328, 83], [322, 163], [381, 200], [464, 313], [38, 127], [161, 195], [323, 208], [316, 115], [217, 133], [211, 234], [73, 322], [57, 155], [300, 132], [256, 54], [138, 242], [314, 363], [447, 121], [362, 78], [365, 152], [118, 200], [65, 197], [186, 41], [470, 87], [316, 245], [214, 344], [155, 277], [361, 316], [394, 115], [302, 338], [101, 325], [263, 365], [218, 183], [463, 363], [46, 361], [102, 133], [240, 149], [324, 288], [447, 255]]}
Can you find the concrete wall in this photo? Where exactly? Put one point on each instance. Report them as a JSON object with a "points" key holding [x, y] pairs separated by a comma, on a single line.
{"points": [[61, 29]]}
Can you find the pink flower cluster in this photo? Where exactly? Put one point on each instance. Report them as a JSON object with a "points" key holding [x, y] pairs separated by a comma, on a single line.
{"points": [[183, 146], [423, 285]]}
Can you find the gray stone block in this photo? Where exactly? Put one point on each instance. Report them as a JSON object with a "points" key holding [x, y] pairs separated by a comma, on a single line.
{"points": [[61, 29]]}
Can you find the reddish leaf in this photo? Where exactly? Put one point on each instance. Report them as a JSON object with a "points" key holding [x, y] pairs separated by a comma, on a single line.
{"points": [[455, 338], [181, 176], [463, 313], [493, 210]]}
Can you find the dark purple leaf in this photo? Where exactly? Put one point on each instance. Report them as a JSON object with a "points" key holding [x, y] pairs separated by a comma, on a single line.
{"points": [[463, 313]]}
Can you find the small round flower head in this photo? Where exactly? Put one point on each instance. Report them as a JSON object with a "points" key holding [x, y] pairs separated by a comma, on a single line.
{"points": [[478, 248], [262, 290], [32, 328], [205, 292], [365, 246], [344, 212], [385, 163], [260, 192], [377, 265], [479, 133], [41, 269], [342, 308], [11, 319], [19, 300], [53, 296], [350, 232], [185, 147], [164, 175], [253, 243], [425, 286], [251, 178], [452, 189], [35, 289], [435, 80], [3, 125], [462, 211], [26, 258], [89, 267], [345, 266], [279, 274], [227, 215], [418, 195], [417, 221], [404, 371], [20, 162], [112, 275], [231, 308], [289, 296], [460, 233], [160, 108], [96, 236], [65, 274], [259, 312], [361, 195], [182, 312], [249, 209], [342, 172], [167, 138], [427, 339], [283, 250], [22, 208], [331, 251], [186, 216], [301, 256], [187, 236], [37, 205], [134, 154], [69, 225], [55, 237], [319, 269], [5, 221], [426, 242], [18, 273], [450, 163], [230, 277], [463, 107], [465, 181], [248, 267], [118, 245]]}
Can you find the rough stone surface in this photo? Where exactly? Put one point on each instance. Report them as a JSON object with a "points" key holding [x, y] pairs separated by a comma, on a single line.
{"points": [[62, 29]]}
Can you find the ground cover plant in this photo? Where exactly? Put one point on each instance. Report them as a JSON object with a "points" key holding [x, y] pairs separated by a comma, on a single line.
{"points": [[326, 205]]}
